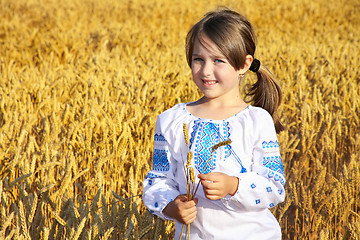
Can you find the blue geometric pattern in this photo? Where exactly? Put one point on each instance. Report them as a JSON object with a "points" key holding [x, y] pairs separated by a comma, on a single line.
{"points": [[271, 144], [226, 132], [276, 176], [159, 138], [204, 136], [195, 129], [207, 137], [274, 163], [152, 175], [160, 160]]}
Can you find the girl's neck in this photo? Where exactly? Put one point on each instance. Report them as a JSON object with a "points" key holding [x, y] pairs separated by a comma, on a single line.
{"points": [[216, 110]]}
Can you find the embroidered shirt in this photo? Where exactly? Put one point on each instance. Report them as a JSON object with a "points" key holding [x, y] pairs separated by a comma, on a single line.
{"points": [[253, 157]]}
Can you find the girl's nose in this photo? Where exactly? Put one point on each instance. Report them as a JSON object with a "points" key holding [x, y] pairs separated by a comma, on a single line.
{"points": [[207, 69]]}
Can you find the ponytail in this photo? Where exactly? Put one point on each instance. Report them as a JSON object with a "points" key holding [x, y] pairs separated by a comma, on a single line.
{"points": [[266, 93]]}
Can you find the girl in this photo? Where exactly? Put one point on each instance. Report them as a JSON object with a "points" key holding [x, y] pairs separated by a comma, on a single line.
{"points": [[242, 180]]}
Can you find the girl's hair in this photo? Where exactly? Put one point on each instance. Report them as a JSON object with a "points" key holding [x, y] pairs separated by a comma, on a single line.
{"points": [[234, 36]]}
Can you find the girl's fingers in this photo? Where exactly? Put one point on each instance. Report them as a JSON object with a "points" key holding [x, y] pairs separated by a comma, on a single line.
{"points": [[182, 198], [207, 177], [190, 218], [188, 215], [209, 185], [189, 206], [211, 193]]}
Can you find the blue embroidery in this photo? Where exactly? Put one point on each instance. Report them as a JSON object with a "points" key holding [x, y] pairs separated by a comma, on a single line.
{"points": [[253, 186], [257, 201], [195, 129], [226, 130], [280, 191], [272, 205], [205, 135], [152, 175], [160, 160], [150, 182], [276, 176], [227, 136], [156, 204], [274, 163], [229, 149], [270, 144], [268, 189], [159, 137]]}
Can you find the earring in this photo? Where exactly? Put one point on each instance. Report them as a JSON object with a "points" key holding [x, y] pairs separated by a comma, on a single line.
{"points": [[241, 76]]}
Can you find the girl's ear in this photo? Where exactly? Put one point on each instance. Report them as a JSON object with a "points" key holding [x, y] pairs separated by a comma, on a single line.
{"points": [[248, 60]]}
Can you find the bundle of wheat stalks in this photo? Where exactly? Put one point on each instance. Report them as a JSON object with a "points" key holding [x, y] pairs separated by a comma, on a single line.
{"points": [[83, 80], [192, 185]]}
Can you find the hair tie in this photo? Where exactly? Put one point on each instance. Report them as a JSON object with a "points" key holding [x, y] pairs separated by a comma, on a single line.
{"points": [[255, 65]]}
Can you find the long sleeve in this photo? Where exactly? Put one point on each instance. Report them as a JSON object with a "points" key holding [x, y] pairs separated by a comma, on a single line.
{"points": [[159, 187], [263, 186]]}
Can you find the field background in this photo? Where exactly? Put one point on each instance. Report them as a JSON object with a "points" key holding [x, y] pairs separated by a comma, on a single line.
{"points": [[82, 82]]}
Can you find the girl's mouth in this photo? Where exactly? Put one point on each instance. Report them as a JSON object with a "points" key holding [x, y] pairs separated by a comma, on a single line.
{"points": [[209, 82]]}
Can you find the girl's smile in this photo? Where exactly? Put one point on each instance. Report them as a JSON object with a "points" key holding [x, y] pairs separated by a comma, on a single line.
{"points": [[209, 82]]}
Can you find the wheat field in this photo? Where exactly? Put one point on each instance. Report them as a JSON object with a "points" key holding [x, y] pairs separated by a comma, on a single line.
{"points": [[82, 82]]}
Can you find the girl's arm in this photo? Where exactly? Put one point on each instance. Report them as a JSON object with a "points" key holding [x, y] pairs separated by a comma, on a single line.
{"points": [[161, 193], [262, 186]]}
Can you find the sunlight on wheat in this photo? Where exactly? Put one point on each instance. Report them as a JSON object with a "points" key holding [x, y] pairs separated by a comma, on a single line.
{"points": [[83, 81]]}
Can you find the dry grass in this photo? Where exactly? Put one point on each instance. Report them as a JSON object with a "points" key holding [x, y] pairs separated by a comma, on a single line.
{"points": [[82, 82]]}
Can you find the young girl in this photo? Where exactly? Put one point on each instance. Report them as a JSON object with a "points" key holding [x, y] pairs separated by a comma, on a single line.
{"points": [[242, 180]]}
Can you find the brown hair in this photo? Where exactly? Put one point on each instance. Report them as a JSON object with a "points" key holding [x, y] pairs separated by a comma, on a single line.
{"points": [[235, 37]]}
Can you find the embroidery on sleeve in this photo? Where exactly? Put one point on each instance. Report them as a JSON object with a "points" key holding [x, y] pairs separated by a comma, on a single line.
{"points": [[273, 162], [153, 175], [160, 160], [159, 138], [271, 144]]}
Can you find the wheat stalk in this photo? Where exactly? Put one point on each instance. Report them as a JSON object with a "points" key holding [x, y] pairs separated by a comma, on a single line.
{"points": [[80, 228], [190, 176], [23, 221], [107, 234], [33, 209]]}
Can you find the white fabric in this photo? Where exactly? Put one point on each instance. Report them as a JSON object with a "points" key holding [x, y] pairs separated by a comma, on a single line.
{"points": [[253, 157]]}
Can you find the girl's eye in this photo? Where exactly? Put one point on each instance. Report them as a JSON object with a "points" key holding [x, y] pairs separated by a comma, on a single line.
{"points": [[219, 61], [197, 59]]}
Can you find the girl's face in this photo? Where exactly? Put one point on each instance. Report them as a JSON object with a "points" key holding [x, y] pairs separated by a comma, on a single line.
{"points": [[212, 72]]}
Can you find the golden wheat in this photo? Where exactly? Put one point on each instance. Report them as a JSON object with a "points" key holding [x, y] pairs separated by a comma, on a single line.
{"points": [[81, 85]]}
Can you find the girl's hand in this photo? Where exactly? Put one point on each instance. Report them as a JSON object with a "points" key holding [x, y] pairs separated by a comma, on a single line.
{"points": [[181, 209], [217, 185]]}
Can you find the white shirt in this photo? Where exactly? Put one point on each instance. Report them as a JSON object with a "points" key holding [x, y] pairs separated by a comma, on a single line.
{"points": [[253, 156]]}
